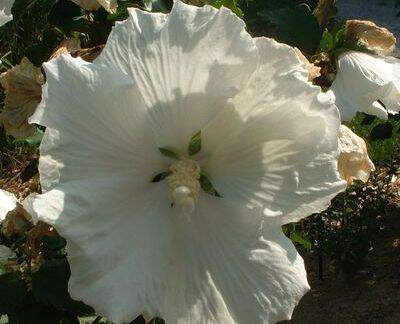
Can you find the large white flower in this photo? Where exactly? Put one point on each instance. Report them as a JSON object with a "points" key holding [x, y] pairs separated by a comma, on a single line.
{"points": [[268, 145], [367, 83], [5, 11]]}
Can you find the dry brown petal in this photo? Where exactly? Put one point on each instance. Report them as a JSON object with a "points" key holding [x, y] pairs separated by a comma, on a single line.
{"points": [[322, 11], [23, 89], [17, 222], [67, 46], [353, 162], [367, 33], [313, 70]]}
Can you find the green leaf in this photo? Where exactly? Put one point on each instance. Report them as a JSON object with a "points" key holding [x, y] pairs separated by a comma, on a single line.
{"points": [[295, 237], [195, 144], [33, 141], [13, 291], [169, 153], [231, 4], [327, 42], [207, 186], [161, 176]]}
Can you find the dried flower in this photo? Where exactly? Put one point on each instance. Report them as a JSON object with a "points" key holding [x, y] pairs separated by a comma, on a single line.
{"points": [[354, 162], [367, 33]]}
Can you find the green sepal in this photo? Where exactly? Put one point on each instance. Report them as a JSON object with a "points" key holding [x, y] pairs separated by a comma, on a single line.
{"points": [[168, 153], [207, 186], [195, 144]]}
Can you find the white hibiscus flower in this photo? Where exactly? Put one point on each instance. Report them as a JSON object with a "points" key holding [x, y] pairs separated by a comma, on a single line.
{"points": [[367, 83], [5, 11], [266, 139]]}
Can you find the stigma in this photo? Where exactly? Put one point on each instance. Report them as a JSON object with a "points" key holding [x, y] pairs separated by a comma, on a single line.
{"points": [[184, 184]]}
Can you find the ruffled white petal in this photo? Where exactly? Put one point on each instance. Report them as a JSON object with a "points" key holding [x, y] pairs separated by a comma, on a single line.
{"points": [[276, 145], [185, 64], [226, 264], [119, 243], [363, 81], [5, 11], [232, 266], [96, 125], [8, 202]]}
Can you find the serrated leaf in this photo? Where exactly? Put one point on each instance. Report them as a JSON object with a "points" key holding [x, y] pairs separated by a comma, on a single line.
{"points": [[195, 144], [207, 186], [168, 152]]}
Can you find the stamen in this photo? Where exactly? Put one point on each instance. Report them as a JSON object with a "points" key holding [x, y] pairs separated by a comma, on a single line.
{"points": [[184, 184]]}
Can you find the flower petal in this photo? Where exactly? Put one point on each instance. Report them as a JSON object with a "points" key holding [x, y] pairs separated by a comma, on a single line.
{"points": [[95, 125], [8, 202], [175, 59], [354, 162], [279, 147], [363, 80], [119, 242], [233, 266], [5, 11], [23, 89]]}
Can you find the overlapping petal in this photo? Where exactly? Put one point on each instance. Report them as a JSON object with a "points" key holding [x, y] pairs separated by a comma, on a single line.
{"points": [[367, 83], [96, 125], [5, 11], [233, 266], [184, 63], [278, 147]]}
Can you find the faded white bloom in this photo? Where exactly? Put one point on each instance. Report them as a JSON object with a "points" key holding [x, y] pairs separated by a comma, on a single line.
{"points": [[367, 33], [23, 89], [5, 11], [109, 5], [367, 83], [354, 162], [174, 248]]}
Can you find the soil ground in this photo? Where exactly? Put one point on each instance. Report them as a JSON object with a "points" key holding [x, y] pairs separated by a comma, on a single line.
{"points": [[372, 297]]}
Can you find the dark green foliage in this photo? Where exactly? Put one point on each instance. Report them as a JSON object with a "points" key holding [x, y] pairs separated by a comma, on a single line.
{"points": [[289, 21]]}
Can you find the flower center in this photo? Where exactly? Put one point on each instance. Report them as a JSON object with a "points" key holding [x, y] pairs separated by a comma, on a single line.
{"points": [[184, 184]]}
